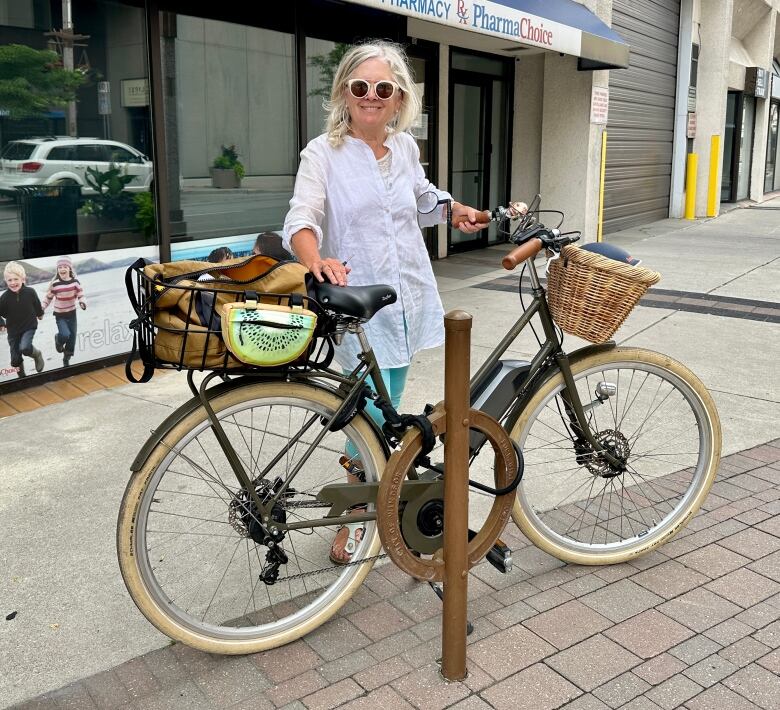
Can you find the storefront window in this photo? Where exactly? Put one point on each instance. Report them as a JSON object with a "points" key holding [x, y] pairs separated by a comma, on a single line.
{"points": [[772, 147], [322, 58], [76, 178], [230, 133]]}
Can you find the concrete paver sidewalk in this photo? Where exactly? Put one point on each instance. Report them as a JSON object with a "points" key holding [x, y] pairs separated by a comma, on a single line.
{"points": [[694, 625]]}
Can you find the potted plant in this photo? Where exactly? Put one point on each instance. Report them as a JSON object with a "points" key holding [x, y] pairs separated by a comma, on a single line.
{"points": [[227, 170], [110, 210]]}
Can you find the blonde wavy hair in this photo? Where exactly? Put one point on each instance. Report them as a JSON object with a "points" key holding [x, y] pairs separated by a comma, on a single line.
{"points": [[337, 124]]}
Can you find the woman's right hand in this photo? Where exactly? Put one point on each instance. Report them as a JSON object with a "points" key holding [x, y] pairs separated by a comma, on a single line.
{"points": [[331, 269], [304, 244]]}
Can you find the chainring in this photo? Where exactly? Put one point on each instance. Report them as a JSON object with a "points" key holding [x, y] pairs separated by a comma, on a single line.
{"points": [[390, 525]]}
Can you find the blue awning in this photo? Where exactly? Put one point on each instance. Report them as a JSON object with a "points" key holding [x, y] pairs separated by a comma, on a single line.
{"points": [[558, 25], [599, 42]]}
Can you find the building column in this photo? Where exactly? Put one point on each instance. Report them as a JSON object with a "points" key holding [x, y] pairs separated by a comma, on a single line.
{"points": [[680, 141], [715, 34], [760, 45], [571, 144], [443, 132], [527, 127]]}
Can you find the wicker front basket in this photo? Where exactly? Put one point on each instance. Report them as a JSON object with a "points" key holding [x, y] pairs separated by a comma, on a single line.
{"points": [[590, 296]]}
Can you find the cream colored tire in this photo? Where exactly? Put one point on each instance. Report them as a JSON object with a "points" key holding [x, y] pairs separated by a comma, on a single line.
{"points": [[659, 416], [185, 485]]}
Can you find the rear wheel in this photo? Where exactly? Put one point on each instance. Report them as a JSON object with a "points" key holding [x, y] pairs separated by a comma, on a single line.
{"points": [[186, 546], [657, 417]]}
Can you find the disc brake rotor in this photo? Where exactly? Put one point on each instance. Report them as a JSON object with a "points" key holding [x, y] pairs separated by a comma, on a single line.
{"points": [[616, 443]]}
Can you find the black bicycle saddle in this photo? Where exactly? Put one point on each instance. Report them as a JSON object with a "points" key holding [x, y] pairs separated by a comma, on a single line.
{"points": [[358, 301]]}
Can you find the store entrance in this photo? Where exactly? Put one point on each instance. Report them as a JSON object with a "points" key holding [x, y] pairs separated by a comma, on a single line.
{"points": [[737, 147], [771, 173], [480, 92]]}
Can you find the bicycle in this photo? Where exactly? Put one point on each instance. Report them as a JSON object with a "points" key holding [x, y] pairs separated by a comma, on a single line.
{"points": [[221, 538]]}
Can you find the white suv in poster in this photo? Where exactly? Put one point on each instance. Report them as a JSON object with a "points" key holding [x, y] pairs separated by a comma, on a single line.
{"points": [[64, 161]]}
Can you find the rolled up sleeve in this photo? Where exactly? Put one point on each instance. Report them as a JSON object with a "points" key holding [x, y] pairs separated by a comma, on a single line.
{"points": [[307, 206]]}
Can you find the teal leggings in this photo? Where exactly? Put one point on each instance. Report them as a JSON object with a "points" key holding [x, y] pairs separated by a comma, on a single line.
{"points": [[395, 381]]}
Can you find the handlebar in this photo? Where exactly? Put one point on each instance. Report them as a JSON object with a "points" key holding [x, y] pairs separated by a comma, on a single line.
{"points": [[529, 234], [518, 255]]}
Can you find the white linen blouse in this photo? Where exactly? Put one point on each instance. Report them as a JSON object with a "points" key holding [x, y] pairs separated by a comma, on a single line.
{"points": [[341, 196]]}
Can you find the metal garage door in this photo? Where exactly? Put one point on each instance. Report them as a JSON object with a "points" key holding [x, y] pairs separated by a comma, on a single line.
{"points": [[641, 114]]}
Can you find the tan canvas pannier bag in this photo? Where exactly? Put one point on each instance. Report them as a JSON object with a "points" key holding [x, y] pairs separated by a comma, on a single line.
{"points": [[188, 307]]}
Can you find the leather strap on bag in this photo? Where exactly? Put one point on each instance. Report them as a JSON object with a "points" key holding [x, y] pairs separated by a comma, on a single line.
{"points": [[135, 324]]}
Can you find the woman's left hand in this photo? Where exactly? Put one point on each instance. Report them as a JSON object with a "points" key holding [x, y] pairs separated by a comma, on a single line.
{"points": [[467, 219]]}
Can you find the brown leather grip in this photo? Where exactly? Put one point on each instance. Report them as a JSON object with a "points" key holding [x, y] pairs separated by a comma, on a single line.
{"points": [[482, 218], [519, 254]]}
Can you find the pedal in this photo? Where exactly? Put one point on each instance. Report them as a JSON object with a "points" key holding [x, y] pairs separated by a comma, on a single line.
{"points": [[500, 556]]}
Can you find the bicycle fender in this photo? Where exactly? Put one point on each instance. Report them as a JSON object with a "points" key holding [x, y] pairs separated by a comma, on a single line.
{"points": [[592, 349], [162, 429]]}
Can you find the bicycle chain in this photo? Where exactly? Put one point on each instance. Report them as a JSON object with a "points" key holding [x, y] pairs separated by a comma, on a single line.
{"points": [[301, 575], [327, 569]]}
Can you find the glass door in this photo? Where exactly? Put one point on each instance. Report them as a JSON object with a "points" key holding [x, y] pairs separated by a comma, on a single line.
{"points": [[745, 161], [771, 147], [470, 148], [730, 146]]}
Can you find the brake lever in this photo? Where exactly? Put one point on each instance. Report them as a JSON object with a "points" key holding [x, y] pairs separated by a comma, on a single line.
{"points": [[529, 234]]}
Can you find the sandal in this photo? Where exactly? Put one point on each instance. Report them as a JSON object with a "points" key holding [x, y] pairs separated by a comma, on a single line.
{"points": [[351, 544], [355, 474]]}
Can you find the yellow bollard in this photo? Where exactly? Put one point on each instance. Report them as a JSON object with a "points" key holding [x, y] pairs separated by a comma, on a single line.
{"points": [[691, 166], [712, 187], [601, 185]]}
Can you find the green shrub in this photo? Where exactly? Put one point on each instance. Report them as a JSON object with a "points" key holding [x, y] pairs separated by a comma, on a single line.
{"points": [[228, 160], [144, 213], [110, 199]]}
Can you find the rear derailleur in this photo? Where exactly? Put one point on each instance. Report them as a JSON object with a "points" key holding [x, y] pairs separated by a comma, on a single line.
{"points": [[247, 520]]}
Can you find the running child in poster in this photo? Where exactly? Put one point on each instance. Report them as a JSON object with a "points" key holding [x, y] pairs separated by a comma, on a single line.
{"points": [[66, 291], [19, 309]]}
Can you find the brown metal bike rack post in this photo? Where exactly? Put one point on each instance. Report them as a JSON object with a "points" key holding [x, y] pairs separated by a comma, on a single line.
{"points": [[450, 563], [457, 357]]}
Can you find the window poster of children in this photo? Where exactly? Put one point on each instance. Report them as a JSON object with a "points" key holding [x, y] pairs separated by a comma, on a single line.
{"points": [[62, 310]]}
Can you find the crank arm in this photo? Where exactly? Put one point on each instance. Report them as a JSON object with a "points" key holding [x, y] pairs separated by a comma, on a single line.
{"points": [[342, 496]]}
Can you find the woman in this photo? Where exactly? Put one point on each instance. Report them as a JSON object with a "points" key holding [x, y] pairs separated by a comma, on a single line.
{"points": [[354, 211]]}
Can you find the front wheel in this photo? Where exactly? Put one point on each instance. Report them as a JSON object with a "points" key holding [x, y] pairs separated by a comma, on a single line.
{"points": [[190, 551], [657, 417]]}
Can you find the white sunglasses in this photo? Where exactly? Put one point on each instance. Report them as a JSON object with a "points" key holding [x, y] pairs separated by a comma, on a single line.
{"points": [[384, 90]]}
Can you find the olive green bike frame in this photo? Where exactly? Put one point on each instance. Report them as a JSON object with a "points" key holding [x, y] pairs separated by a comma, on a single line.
{"points": [[548, 360]]}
